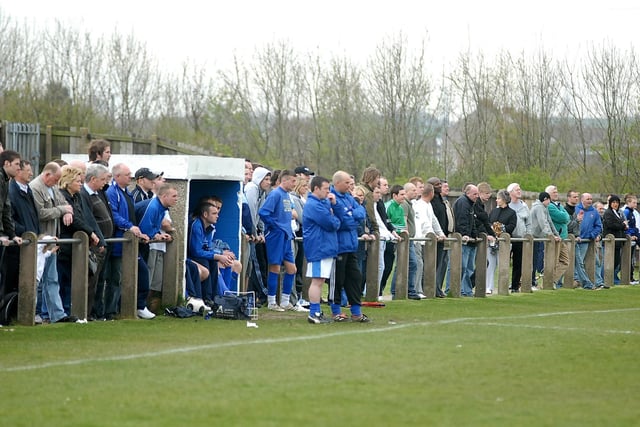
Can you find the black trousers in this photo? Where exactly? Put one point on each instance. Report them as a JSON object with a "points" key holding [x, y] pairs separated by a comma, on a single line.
{"points": [[348, 277], [389, 258]]}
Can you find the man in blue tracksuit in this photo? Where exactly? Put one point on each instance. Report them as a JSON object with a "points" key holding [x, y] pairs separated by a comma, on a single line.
{"points": [[320, 240], [347, 275], [276, 216]]}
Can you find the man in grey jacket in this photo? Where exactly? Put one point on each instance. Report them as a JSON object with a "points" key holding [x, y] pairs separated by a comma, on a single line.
{"points": [[541, 227]]}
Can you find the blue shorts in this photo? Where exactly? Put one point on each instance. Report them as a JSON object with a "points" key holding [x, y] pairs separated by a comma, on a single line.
{"points": [[279, 247]]}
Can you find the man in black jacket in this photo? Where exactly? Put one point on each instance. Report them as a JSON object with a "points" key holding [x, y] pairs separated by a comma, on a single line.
{"points": [[442, 256], [467, 226], [10, 161], [25, 218]]}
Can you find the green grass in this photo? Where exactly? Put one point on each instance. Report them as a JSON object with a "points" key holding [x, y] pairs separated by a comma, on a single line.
{"points": [[455, 362]]}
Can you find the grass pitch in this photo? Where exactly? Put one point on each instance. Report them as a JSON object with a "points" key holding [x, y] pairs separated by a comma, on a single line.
{"points": [[551, 358]]}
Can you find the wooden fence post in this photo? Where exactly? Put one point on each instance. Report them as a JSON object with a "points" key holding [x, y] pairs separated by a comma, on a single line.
{"points": [[504, 259], [609, 259], [429, 259], [481, 267], [527, 263], [625, 264], [129, 285], [551, 248], [79, 274], [373, 262], [568, 280], [455, 264], [27, 281], [171, 283]]}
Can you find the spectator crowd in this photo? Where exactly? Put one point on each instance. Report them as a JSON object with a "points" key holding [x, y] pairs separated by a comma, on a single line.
{"points": [[297, 225]]}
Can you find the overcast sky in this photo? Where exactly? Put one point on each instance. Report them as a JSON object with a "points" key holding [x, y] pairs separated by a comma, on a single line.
{"points": [[211, 32]]}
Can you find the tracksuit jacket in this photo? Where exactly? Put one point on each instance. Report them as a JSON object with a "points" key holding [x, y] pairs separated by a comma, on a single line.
{"points": [[319, 229], [350, 213]]}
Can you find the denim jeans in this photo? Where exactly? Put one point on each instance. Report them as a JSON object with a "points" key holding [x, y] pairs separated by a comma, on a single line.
{"points": [[51, 290], [113, 277], [468, 268], [580, 272]]}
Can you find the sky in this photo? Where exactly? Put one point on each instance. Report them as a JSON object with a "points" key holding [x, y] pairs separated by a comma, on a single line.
{"points": [[210, 33]]}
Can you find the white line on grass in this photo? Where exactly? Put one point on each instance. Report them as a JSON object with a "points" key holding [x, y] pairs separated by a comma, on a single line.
{"points": [[214, 346], [555, 328]]}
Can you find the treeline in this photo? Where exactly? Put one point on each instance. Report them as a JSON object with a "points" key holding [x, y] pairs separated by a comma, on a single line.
{"points": [[530, 118]]}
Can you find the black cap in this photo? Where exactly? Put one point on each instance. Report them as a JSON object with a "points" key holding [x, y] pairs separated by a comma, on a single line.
{"points": [[304, 170], [147, 173], [544, 196]]}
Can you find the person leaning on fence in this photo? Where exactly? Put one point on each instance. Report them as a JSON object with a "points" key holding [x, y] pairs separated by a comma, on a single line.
{"points": [[91, 193], [25, 218], [52, 209], [70, 184], [503, 219], [560, 219], [523, 228], [440, 211], [542, 226], [467, 226], [152, 214], [124, 219], [590, 229], [615, 223], [630, 212], [10, 161], [320, 239], [426, 222]]}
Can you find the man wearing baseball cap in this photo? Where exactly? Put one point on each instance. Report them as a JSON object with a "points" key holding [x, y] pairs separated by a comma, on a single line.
{"points": [[145, 180]]}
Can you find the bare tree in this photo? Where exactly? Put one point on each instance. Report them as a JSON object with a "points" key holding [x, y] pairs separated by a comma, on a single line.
{"points": [[399, 92]]}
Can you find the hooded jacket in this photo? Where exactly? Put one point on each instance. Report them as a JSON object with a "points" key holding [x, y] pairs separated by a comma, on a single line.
{"points": [[256, 196], [541, 223], [350, 213]]}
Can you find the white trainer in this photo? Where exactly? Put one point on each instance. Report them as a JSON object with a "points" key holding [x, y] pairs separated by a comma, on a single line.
{"points": [[274, 307], [145, 314]]}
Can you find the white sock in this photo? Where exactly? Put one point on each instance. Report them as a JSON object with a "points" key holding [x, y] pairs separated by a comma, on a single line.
{"points": [[271, 299], [284, 300]]}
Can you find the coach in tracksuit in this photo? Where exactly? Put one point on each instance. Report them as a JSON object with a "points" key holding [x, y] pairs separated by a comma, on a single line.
{"points": [[347, 275], [320, 240]]}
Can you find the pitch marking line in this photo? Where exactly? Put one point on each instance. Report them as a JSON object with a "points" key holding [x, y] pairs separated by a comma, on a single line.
{"points": [[556, 328], [189, 349]]}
